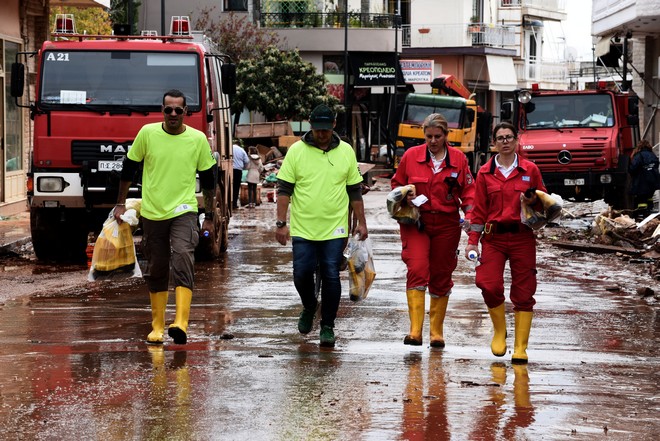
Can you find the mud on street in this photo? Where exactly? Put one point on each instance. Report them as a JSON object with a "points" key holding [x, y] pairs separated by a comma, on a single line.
{"points": [[75, 364]]}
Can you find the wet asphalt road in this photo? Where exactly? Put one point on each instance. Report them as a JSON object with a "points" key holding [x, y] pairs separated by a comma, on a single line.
{"points": [[75, 366]]}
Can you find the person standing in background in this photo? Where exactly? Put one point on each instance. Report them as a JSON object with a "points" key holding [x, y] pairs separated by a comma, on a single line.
{"points": [[241, 161], [172, 154], [645, 176], [441, 174], [254, 168]]}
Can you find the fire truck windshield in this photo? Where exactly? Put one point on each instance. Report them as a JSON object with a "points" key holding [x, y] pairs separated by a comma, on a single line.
{"points": [[117, 78], [570, 111]]}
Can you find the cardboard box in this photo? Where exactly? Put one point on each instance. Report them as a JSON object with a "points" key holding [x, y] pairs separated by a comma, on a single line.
{"points": [[287, 141]]}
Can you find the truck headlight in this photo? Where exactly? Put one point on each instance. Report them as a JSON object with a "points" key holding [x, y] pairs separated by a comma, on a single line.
{"points": [[50, 184], [605, 179], [524, 96]]}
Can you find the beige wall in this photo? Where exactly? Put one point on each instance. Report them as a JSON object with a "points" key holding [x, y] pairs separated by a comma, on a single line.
{"points": [[9, 19]]}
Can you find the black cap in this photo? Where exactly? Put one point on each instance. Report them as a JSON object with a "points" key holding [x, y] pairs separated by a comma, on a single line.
{"points": [[322, 118]]}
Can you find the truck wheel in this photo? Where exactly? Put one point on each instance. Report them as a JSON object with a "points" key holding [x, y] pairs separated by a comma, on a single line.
{"points": [[223, 241], [59, 235], [212, 247]]}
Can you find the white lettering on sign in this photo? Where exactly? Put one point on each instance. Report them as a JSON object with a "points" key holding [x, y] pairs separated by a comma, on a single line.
{"points": [[417, 71], [60, 56]]}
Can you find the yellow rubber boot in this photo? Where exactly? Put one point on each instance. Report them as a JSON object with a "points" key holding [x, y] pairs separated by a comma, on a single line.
{"points": [[416, 307], [523, 326], [177, 330], [497, 315], [437, 313], [158, 305]]}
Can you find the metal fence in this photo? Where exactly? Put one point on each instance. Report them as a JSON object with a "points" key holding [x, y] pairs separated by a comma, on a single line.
{"points": [[325, 20]]}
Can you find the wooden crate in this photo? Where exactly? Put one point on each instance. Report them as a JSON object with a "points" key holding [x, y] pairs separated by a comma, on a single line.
{"points": [[264, 130]]}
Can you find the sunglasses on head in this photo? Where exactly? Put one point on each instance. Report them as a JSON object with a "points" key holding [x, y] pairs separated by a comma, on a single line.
{"points": [[178, 110]]}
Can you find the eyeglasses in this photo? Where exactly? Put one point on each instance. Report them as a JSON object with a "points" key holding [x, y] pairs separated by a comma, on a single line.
{"points": [[507, 138], [178, 110]]}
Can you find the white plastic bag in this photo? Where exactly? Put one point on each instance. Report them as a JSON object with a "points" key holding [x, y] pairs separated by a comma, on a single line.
{"points": [[360, 267]]}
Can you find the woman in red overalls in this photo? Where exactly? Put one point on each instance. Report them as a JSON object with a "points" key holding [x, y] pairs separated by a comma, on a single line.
{"points": [[430, 248], [495, 221]]}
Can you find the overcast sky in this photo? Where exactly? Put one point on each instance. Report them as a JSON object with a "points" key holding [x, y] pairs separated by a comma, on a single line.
{"points": [[576, 30]]}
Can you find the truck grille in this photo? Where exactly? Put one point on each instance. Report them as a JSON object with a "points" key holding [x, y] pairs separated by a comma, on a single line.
{"points": [[97, 150], [584, 156]]}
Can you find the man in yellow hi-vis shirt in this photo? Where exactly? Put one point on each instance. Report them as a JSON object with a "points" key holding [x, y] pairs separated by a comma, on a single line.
{"points": [[319, 177]]}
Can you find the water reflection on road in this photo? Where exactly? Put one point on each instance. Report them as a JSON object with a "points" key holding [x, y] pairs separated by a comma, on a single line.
{"points": [[75, 365]]}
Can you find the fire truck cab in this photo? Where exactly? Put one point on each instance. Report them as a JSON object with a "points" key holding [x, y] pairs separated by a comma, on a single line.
{"points": [[581, 140], [93, 94]]}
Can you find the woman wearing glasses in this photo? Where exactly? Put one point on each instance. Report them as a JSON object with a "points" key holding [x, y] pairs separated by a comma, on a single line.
{"points": [[442, 180], [501, 187]]}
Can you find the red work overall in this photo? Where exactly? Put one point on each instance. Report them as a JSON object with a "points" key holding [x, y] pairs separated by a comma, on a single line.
{"points": [[504, 237], [430, 250]]}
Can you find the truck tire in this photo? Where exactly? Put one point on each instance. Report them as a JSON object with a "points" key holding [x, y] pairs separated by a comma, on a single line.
{"points": [[59, 235], [211, 248]]}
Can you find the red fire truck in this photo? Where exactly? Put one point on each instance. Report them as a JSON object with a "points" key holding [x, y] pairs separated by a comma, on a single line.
{"points": [[93, 94], [580, 140]]}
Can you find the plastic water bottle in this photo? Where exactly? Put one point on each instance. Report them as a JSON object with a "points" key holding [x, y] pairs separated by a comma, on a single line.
{"points": [[473, 256], [201, 221]]}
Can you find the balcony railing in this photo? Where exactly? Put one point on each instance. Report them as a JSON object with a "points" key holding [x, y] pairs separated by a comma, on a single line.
{"points": [[549, 5], [325, 20], [458, 35]]}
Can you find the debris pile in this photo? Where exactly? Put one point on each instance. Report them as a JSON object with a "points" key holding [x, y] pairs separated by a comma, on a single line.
{"points": [[614, 228], [617, 229]]}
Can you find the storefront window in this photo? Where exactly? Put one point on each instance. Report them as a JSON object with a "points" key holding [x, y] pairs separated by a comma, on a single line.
{"points": [[236, 5], [13, 136]]}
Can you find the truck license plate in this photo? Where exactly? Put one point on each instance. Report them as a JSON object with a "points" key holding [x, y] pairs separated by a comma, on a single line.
{"points": [[110, 165], [573, 181]]}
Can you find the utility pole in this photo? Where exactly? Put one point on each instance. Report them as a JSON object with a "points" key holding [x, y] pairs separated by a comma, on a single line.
{"points": [[346, 69], [162, 17]]}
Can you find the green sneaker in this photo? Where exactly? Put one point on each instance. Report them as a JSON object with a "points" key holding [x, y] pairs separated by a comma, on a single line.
{"points": [[327, 337], [306, 321]]}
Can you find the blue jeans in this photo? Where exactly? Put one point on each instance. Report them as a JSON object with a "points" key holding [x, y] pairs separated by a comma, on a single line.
{"points": [[327, 255]]}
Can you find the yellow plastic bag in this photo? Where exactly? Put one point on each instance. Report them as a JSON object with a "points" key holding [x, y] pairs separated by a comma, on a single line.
{"points": [[403, 213], [361, 271], [552, 206], [114, 252]]}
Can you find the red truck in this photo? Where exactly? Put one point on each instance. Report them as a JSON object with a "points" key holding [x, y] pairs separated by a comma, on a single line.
{"points": [[581, 140], [93, 94]]}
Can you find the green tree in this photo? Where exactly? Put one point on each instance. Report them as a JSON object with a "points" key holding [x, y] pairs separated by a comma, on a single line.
{"points": [[119, 12], [90, 21], [280, 85], [234, 34]]}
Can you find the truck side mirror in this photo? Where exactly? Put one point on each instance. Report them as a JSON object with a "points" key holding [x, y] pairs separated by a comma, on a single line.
{"points": [[17, 79], [506, 111], [633, 105], [228, 77], [469, 114]]}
